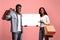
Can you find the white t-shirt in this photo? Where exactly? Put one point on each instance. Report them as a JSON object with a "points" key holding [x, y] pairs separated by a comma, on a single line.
{"points": [[45, 19], [19, 22]]}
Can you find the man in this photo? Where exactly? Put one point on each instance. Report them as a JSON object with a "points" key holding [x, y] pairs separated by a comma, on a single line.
{"points": [[16, 22]]}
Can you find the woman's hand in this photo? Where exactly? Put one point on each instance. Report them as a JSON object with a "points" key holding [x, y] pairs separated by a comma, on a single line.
{"points": [[41, 21]]}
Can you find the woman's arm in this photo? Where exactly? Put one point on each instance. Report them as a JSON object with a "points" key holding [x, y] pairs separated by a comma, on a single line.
{"points": [[47, 21]]}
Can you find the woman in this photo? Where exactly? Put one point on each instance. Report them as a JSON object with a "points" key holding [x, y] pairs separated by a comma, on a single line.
{"points": [[44, 19]]}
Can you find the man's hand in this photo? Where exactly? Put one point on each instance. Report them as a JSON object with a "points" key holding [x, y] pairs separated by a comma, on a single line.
{"points": [[11, 9], [8, 11]]}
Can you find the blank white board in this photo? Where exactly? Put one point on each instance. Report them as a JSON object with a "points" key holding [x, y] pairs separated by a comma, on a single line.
{"points": [[30, 19]]}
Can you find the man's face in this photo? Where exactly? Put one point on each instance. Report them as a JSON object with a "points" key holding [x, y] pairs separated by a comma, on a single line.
{"points": [[19, 9]]}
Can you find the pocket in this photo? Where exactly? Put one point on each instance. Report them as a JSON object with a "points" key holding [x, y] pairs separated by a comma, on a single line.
{"points": [[13, 17]]}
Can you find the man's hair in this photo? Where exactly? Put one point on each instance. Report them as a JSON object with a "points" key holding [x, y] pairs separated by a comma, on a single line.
{"points": [[18, 5]]}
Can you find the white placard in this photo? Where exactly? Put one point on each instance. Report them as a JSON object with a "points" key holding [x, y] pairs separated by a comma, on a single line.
{"points": [[30, 19]]}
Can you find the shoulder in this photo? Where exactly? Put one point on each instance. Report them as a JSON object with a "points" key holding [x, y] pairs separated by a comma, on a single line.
{"points": [[12, 12], [46, 15], [21, 14]]}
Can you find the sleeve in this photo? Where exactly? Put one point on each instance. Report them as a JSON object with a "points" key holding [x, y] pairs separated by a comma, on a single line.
{"points": [[21, 25], [21, 19], [47, 21], [7, 17]]}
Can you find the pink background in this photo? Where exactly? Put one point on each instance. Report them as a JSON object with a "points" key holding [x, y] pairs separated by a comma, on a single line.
{"points": [[30, 6]]}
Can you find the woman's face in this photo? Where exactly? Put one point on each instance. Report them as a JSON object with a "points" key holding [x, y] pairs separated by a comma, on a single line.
{"points": [[42, 11]]}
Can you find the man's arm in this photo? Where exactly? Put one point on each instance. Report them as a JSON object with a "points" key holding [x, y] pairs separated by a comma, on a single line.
{"points": [[8, 16]]}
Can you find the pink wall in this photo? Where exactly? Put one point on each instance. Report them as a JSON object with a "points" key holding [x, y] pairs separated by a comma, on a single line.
{"points": [[30, 6]]}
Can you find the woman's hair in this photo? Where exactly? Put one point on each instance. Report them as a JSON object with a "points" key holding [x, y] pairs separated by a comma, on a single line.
{"points": [[45, 13]]}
